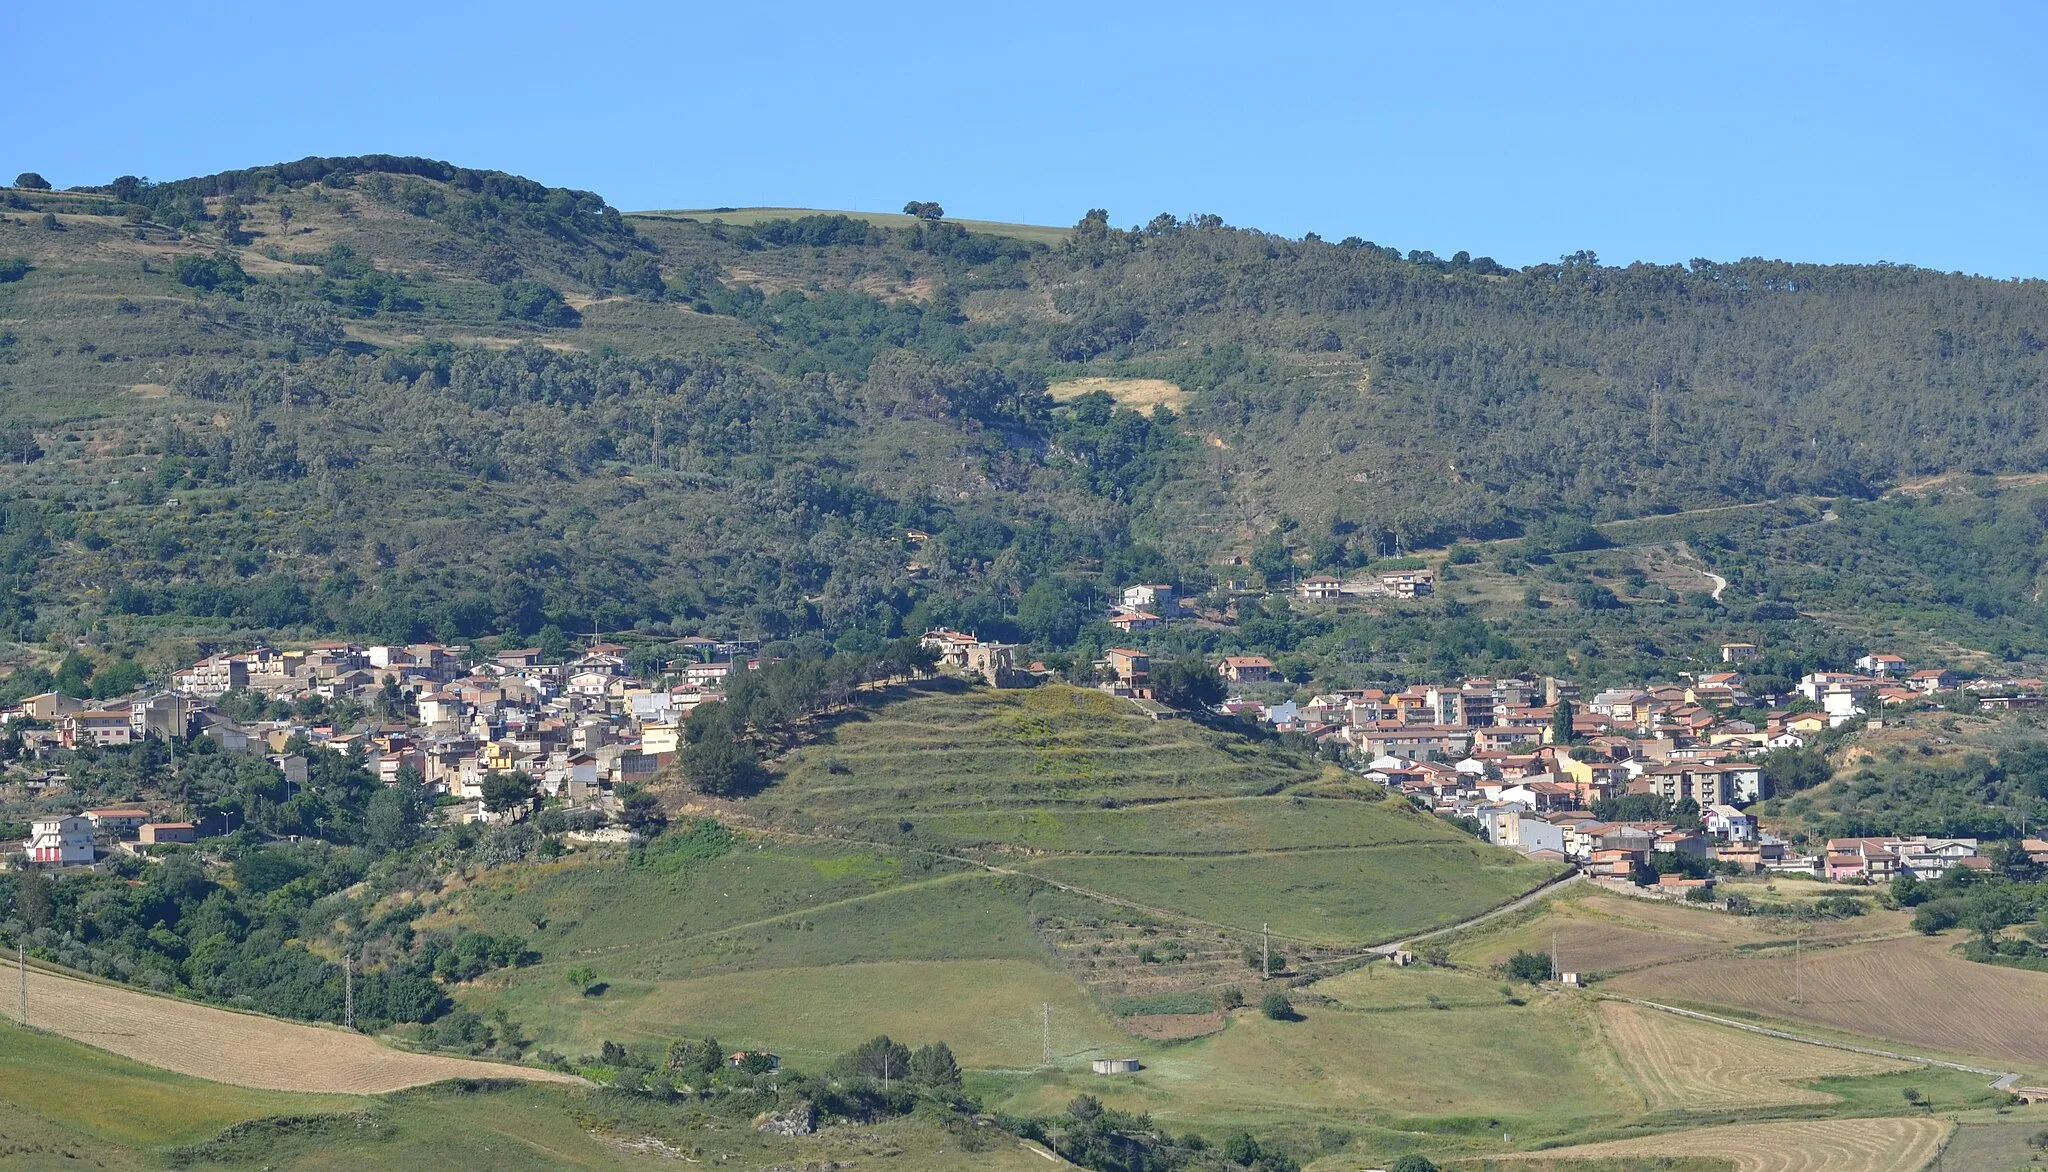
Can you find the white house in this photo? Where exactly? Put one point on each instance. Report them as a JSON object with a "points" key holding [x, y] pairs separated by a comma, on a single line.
{"points": [[1882, 665], [1730, 824], [1152, 596], [1322, 588], [441, 708], [61, 841]]}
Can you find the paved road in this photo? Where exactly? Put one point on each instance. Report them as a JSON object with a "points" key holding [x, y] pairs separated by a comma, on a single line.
{"points": [[1544, 892]]}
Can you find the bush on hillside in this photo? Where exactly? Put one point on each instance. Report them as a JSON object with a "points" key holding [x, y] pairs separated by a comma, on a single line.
{"points": [[538, 303]]}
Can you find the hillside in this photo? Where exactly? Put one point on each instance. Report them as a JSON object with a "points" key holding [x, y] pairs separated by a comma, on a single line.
{"points": [[392, 398], [1035, 832]]}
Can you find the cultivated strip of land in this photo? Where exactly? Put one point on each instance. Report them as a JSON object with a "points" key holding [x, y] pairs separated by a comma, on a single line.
{"points": [[244, 1049]]}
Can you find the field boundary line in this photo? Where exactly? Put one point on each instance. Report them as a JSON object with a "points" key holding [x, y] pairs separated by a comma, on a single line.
{"points": [[2001, 1080]]}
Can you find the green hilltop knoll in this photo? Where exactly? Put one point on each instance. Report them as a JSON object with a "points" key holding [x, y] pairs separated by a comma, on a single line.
{"points": [[393, 398], [1006, 871]]}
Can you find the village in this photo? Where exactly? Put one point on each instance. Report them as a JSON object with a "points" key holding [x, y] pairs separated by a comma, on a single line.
{"points": [[1523, 763]]}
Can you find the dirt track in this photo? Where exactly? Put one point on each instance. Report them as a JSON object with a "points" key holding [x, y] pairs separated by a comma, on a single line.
{"points": [[240, 1048]]}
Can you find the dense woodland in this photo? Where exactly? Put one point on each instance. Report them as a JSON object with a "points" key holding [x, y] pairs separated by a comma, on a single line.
{"points": [[392, 398]]}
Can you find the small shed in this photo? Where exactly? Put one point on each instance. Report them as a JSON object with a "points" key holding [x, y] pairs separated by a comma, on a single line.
{"points": [[1572, 980], [1116, 1066], [1401, 957]]}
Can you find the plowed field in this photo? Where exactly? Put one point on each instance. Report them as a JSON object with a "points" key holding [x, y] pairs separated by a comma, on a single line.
{"points": [[1910, 990]]}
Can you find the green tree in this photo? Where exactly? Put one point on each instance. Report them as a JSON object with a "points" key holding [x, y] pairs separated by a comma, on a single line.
{"points": [[933, 1066], [32, 900], [117, 679], [1187, 682], [881, 1059], [1273, 561], [1528, 966], [1561, 723], [1787, 771], [30, 181], [1414, 1162], [395, 813], [720, 763], [1277, 1007], [230, 221], [508, 790], [72, 673], [535, 302]]}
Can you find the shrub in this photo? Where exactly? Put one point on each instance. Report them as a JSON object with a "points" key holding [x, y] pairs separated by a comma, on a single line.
{"points": [[14, 268], [1414, 1162], [1277, 1007], [535, 302], [1528, 966]]}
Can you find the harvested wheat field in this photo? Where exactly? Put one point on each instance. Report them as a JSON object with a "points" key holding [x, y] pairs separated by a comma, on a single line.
{"points": [[1602, 932], [1910, 990], [239, 1048], [1139, 394], [1834, 1145], [1682, 1063]]}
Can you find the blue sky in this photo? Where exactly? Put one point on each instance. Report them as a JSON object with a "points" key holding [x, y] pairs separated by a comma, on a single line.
{"points": [[1830, 132]]}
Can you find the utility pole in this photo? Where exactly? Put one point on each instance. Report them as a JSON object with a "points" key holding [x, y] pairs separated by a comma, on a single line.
{"points": [[21, 958], [1265, 952], [348, 987], [1798, 981], [1555, 971], [1045, 1025]]}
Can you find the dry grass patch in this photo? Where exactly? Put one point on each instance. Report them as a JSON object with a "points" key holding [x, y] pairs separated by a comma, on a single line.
{"points": [[1139, 394], [1835, 1145], [1910, 989], [239, 1048], [1681, 1063], [1172, 1026]]}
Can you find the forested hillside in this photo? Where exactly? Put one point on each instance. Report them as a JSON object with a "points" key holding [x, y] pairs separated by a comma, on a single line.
{"points": [[394, 398]]}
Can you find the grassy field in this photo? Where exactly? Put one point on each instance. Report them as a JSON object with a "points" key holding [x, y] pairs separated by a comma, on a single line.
{"points": [[988, 1011], [1325, 897], [513, 1130], [66, 1105], [2003, 1146], [1033, 233], [1538, 1068], [1219, 826]]}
